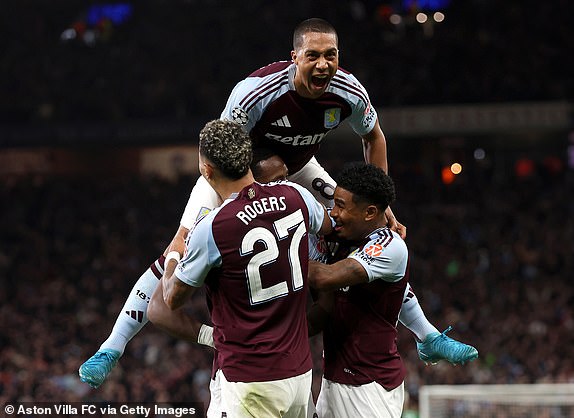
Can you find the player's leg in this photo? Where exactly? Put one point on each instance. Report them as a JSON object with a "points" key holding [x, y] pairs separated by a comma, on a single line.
{"points": [[369, 400], [413, 317], [432, 345], [130, 321], [316, 179], [133, 315]]}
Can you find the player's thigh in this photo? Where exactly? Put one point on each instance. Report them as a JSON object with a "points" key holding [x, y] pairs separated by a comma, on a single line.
{"points": [[367, 401], [316, 179], [202, 199], [286, 397]]}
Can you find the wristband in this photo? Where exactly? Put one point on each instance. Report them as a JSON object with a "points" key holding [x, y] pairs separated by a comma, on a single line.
{"points": [[205, 335], [172, 255]]}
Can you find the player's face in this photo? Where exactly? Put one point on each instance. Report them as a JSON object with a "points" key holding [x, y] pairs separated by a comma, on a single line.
{"points": [[317, 61], [349, 217]]}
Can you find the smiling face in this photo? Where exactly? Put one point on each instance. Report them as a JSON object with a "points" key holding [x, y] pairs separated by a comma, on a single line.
{"points": [[353, 220], [317, 61]]}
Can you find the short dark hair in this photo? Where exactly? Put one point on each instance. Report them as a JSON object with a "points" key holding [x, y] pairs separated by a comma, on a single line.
{"points": [[260, 154], [314, 24], [368, 184], [227, 146]]}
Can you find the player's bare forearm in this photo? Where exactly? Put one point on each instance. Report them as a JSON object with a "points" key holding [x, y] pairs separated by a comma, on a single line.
{"points": [[177, 244], [175, 322], [169, 269], [175, 292], [347, 272]]}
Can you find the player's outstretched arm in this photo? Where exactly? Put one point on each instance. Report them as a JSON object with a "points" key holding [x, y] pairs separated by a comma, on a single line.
{"points": [[346, 272]]}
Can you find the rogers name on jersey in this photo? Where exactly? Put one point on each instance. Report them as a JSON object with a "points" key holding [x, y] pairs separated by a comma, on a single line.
{"points": [[298, 139]]}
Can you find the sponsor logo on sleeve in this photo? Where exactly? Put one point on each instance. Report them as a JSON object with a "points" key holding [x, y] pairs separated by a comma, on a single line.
{"points": [[374, 250], [369, 117], [370, 253]]}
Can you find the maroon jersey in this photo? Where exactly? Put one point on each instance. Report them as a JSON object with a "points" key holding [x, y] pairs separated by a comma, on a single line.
{"points": [[252, 255], [276, 117], [360, 344]]}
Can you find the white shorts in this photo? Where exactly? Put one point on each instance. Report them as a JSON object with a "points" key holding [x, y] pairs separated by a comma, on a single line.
{"points": [[214, 408], [366, 401], [289, 398], [315, 178]]}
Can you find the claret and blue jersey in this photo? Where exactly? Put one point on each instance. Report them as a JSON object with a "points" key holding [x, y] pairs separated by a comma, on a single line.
{"points": [[252, 255], [276, 117]]}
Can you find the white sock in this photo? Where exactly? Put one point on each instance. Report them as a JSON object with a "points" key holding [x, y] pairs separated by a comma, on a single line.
{"points": [[413, 317], [133, 315]]}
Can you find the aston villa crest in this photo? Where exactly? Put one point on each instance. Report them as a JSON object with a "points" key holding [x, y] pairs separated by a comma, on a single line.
{"points": [[332, 117]]}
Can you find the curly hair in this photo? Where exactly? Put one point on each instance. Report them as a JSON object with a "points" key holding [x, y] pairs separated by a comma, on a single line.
{"points": [[314, 24], [227, 146], [368, 184]]}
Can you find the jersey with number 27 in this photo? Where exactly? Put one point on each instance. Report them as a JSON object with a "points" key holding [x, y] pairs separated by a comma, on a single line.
{"points": [[252, 255], [276, 117]]}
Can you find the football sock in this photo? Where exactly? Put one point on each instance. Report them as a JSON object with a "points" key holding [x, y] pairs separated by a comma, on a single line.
{"points": [[413, 317], [133, 315]]}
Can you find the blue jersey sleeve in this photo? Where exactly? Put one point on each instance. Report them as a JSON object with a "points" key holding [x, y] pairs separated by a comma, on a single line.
{"points": [[201, 253], [383, 259]]}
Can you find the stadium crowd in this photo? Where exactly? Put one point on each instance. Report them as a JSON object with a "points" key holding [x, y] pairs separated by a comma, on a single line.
{"points": [[171, 62], [494, 261]]}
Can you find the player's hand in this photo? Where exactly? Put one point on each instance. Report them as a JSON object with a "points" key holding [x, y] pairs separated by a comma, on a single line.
{"points": [[395, 225]]}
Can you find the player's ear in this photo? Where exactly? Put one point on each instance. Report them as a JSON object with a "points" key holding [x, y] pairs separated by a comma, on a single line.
{"points": [[371, 212], [207, 170], [293, 55]]}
